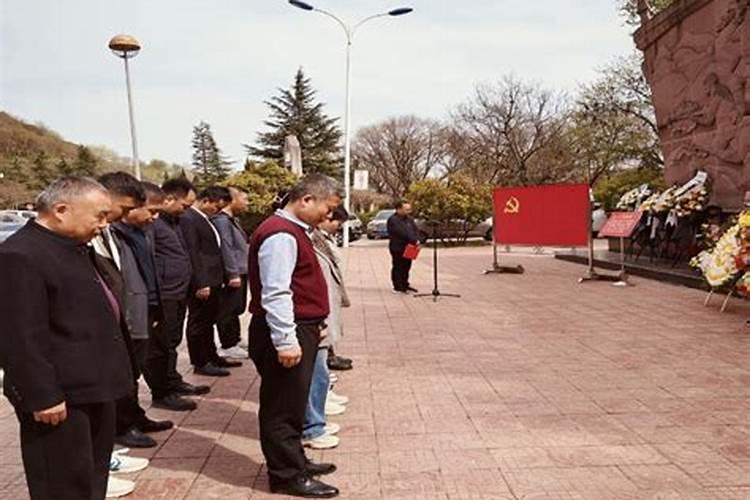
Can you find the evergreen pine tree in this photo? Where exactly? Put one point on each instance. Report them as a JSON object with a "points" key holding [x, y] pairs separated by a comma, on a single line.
{"points": [[209, 165], [295, 112], [85, 162]]}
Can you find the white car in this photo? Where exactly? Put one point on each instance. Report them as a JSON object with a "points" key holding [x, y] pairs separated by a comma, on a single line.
{"points": [[9, 224]]}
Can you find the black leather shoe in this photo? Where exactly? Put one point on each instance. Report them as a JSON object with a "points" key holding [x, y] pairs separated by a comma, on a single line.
{"points": [[148, 425], [319, 469], [135, 439], [226, 363], [174, 402], [185, 389], [411, 289], [338, 363], [211, 370], [305, 487]]}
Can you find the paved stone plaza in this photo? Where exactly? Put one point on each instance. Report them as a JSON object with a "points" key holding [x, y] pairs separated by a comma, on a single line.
{"points": [[528, 387]]}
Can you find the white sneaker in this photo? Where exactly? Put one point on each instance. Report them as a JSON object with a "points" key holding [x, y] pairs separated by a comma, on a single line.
{"points": [[123, 464], [324, 442], [333, 378], [117, 488], [235, 352], [337, 398], [333, 409], [332, 428]]}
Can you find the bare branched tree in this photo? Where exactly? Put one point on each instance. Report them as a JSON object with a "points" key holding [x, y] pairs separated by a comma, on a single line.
{"points": [[398, 152], [619, 113], [511, 133]]}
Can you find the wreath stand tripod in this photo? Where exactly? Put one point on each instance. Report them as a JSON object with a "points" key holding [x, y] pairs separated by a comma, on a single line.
{"points": [[436, 293]]}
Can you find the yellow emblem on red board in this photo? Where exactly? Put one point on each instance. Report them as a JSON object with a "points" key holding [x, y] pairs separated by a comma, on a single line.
{"points": [[512, 206]]}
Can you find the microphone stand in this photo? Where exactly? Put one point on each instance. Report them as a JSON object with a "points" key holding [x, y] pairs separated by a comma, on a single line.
{"points": [[435, 294]]}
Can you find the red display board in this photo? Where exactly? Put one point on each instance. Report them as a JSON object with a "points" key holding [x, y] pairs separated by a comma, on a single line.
{"points": [[620, 225], [557, 215]]}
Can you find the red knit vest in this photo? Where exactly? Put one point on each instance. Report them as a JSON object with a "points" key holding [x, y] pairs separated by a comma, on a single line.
{"points": [[309, 290]]}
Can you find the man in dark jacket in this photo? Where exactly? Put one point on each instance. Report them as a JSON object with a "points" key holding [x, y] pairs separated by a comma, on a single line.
{"points": [[234, 252], [143, 309], [173, 271], [204, 248], [402, 231], [126, 194], [61, 345]]}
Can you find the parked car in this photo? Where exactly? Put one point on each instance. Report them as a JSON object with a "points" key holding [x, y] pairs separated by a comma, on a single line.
{"points": [[9, 224], [355, 230], [454, 229], [378, 226], [26, 214]]}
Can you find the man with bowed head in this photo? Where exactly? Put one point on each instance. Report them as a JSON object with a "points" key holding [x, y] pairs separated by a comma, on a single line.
{"points": [[289, 303], [61, 345]]}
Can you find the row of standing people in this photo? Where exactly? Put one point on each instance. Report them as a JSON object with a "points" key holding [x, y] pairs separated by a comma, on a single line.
{"points": [[94, 294]]}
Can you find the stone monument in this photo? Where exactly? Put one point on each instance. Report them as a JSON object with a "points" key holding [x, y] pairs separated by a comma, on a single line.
{"points": [[697, 61]]}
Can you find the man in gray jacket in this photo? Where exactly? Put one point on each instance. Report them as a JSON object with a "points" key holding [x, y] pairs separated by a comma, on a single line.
{"points": [[234, 252]]}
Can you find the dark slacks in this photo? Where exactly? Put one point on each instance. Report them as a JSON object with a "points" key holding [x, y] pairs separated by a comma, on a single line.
{"points": [[283, 398], [165, 341], [400, 271], [232, 306], [129, 412], [70, 461], [202, 316], [156, 360]]}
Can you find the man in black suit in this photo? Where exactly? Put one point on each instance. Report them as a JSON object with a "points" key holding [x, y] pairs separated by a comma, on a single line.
{"points": [[61, 345], [204, 248], [402, 231]]}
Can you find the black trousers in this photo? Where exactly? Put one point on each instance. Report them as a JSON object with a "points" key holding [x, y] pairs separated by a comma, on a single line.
{"points": [[232, 306], [164, 343], [283, 398], [202, 316], [156, 360], [129, 412], [400, 271], [70, 461]]}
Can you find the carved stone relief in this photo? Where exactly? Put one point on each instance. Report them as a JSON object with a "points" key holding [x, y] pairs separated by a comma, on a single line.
{"points": [[699, 71]]}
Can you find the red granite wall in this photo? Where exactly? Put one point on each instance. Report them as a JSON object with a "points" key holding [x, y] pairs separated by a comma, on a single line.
{"points": [[697, 55]]}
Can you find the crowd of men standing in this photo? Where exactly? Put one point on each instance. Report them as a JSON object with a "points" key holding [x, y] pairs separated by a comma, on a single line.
{"points": [[95, 293]]}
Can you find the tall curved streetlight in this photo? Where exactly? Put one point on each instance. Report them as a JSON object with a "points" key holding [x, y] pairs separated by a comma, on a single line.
{"points": [[350, 31], [126, 47]]}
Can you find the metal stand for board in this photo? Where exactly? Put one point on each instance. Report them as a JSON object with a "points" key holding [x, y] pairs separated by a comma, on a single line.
{"points": [[497, 268], [591, 274], [623, 277]]}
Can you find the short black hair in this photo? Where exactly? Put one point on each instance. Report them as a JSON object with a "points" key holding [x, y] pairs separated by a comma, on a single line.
{"points": [[124, 184], [216, 193], [179, 187], [400, 204], [153, 192], [340, 214]]}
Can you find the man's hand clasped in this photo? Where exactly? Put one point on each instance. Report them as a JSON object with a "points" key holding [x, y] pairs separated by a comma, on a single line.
{"points": [[53, 416], [290, 358]]}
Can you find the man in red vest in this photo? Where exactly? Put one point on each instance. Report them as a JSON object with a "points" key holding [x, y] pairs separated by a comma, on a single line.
{"points": [[289, 304]]}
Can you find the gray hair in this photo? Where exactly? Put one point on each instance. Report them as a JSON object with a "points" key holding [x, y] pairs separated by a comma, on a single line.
{"points": [[66, 189], [318, 186]]}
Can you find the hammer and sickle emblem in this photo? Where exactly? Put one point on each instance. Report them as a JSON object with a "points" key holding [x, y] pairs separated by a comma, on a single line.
{"points": [[512, 206]]}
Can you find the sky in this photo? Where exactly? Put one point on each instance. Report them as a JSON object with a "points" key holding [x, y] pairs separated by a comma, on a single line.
{"points": [[219, 60]]}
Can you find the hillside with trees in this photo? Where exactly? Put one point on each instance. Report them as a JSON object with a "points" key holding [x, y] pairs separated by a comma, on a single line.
{"points": [[32, 156]]}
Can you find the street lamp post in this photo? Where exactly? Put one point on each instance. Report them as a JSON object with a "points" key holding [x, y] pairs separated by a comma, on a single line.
{"points": [[126, 47], [349, 31]]}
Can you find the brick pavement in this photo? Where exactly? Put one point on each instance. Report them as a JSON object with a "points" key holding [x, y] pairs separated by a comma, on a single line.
{"points": [[528, 387]]}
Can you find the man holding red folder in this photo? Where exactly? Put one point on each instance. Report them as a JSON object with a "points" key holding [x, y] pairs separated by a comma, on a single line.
{"points": [[402, 231]]}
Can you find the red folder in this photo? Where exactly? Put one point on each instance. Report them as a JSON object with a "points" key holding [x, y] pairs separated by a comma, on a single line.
{"points": [[411, 251]]}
